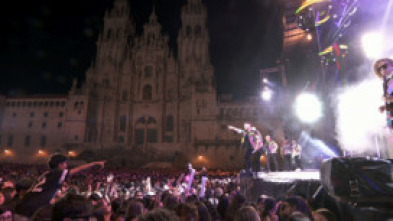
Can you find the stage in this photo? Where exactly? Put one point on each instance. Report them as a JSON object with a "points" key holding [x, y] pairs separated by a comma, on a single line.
{"points": [[280, 184]]}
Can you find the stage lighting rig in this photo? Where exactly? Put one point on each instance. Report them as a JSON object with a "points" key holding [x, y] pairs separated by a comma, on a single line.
{"points": [[334, 53], [313, 13], [329, 19]]}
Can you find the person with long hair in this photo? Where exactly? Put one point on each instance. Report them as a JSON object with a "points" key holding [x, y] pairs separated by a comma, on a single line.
{"points": [[247, 213], [269, 210]]}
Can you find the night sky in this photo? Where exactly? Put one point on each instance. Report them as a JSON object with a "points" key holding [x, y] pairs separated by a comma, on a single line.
{"points": [[47, 43]]}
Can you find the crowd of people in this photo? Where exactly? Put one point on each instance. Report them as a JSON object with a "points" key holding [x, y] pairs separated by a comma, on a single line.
{"points": [[94, 192]]}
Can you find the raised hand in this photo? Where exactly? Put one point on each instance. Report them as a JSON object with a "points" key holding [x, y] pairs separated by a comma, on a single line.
{"points": [[101, 163]]}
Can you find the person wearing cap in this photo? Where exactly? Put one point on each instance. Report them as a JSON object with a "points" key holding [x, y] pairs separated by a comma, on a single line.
{"points": [[383, 69], [41, 193]]}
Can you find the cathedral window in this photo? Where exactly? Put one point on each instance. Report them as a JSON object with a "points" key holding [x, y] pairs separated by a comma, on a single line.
{"points": [[147, 92], [151, 120], [169, 123], [27, 141], [148, 72], [125, 96], [139, 136], [198, 30], [109, 34], [10, 140], [152, 135], [123, 123], [150, 38], [121, 139], [141, 120], [43, 141], [188, 30]]}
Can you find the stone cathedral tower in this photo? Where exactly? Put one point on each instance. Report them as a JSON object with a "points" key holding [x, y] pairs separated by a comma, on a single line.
{"points": [[139, 98], [104, 77], [197, 90], [140, 95], [132, 85]]}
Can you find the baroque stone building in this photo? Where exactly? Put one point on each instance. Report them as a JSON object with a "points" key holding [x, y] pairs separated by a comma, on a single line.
{"points": [[138, 96]]}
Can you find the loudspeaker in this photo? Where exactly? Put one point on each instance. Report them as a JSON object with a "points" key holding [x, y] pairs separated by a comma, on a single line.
{"points": [[359, 181]]}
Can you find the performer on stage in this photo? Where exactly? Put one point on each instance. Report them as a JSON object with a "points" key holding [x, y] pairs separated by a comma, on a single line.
{"points": [[246, 143], [271, 153], [257, 143], [383, 69], [296, 154], [287, 153]]}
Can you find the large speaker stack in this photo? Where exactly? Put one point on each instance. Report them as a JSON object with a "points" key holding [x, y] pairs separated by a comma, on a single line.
{"points": [[359, 181]]}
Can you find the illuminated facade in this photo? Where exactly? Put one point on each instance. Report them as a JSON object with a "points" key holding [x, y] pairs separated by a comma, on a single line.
{"points": [[138, 95]]}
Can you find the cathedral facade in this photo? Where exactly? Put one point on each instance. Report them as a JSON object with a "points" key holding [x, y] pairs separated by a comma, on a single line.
{"points": [[138, 96]]}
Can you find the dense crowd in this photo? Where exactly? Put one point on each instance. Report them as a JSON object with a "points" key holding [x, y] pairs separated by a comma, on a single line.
{"points": [[93, 192]]}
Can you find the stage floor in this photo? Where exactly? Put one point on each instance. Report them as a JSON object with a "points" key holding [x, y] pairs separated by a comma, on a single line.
{"points": [[279, 184], [289, 176]]}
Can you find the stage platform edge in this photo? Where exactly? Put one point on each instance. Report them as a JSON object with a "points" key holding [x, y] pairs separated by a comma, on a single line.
{"points": [[279, 184]]}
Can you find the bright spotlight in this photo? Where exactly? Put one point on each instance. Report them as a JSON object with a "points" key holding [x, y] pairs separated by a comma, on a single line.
{"points": [[309, 36], [372, 44], [308, 107], [267, 95], [265, 80]]}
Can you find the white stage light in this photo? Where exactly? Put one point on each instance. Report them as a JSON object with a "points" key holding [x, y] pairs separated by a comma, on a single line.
{"points": [[373, 44], [267, 95], [309, 36], [308, 107]]}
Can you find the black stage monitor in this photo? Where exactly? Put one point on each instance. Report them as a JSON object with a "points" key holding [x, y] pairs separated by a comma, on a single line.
{"points": [[359, 181]]}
